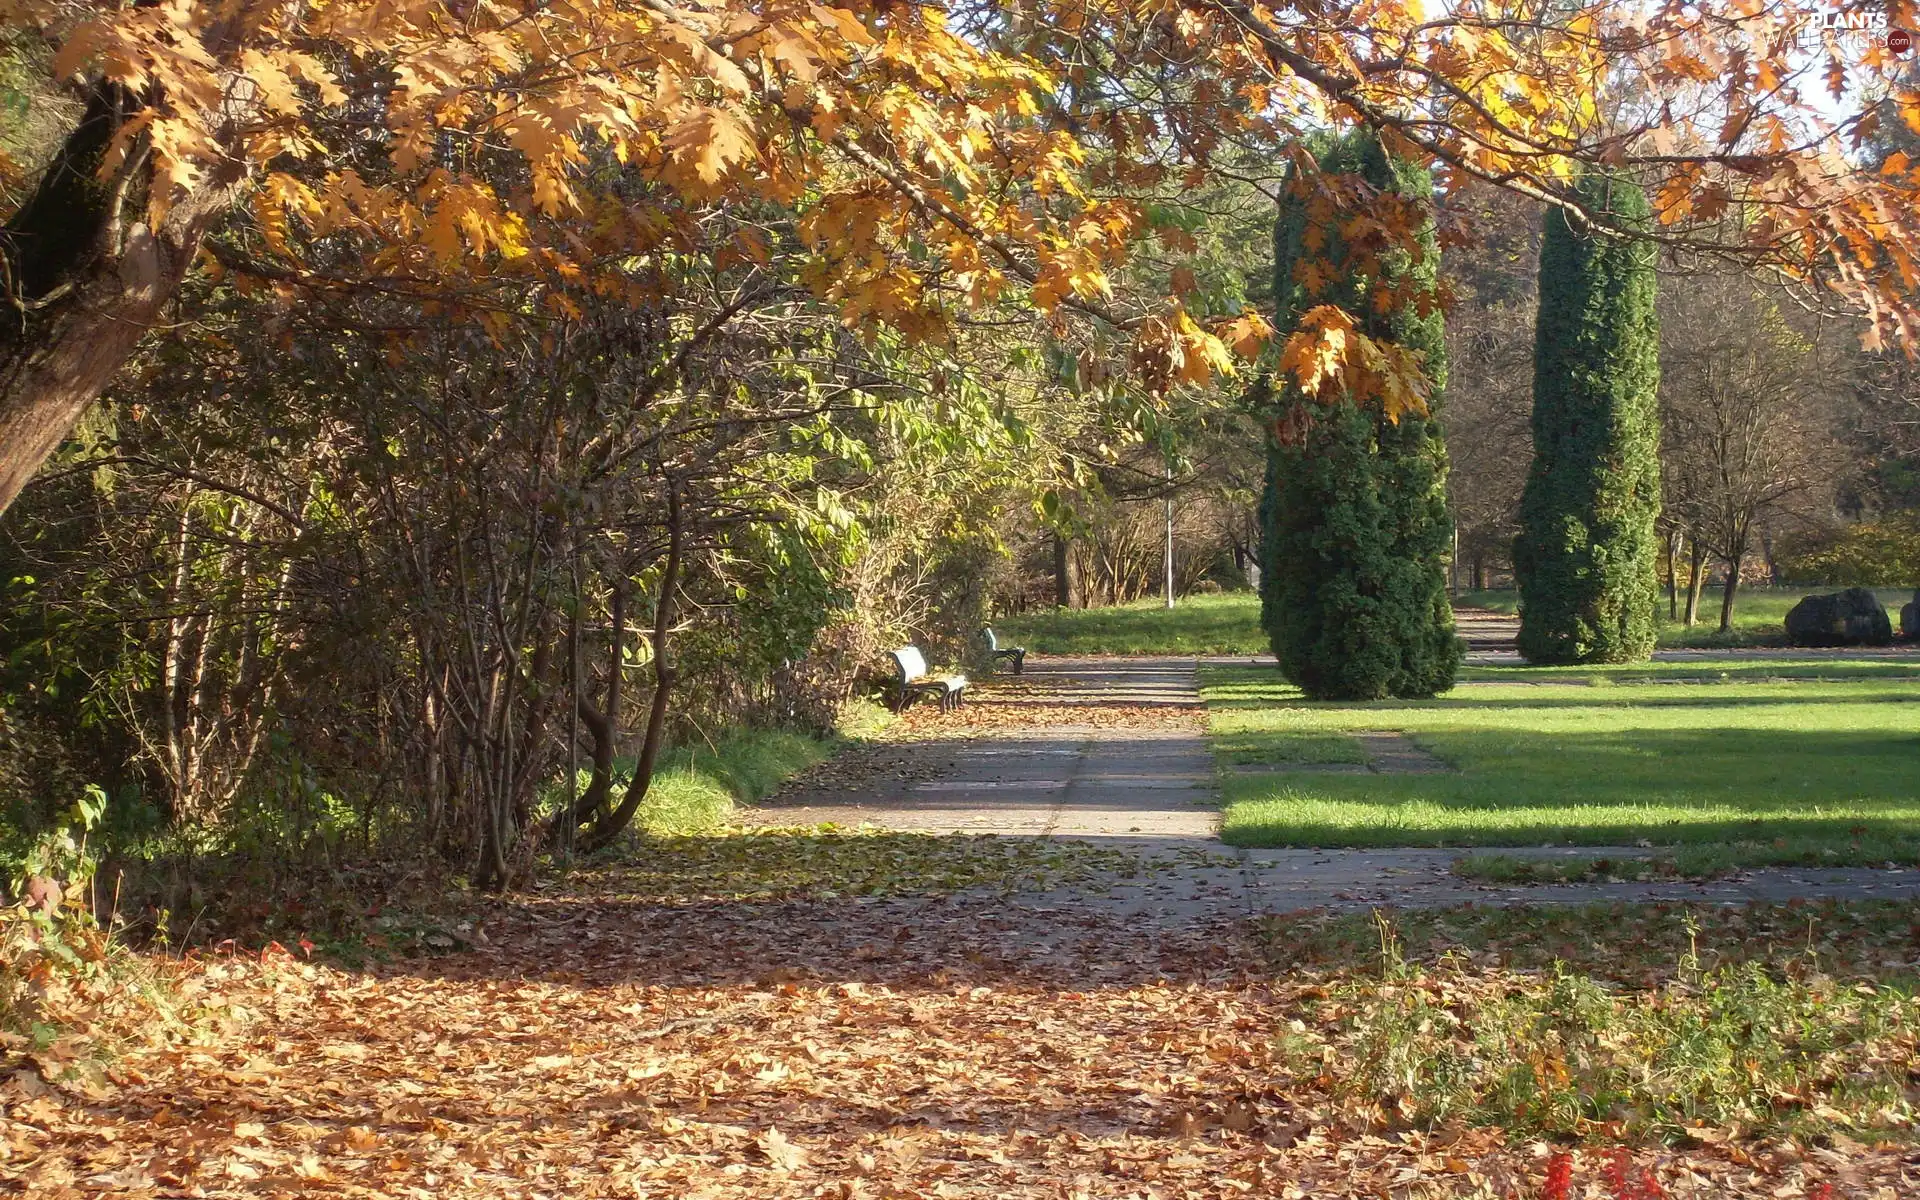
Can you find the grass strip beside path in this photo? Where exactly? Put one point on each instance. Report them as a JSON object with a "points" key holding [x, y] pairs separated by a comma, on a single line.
{"points": [[1747, 668], [1223, 624], [1818, 773]]}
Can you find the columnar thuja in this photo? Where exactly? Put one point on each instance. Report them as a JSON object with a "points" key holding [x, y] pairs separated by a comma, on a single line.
{"points": [[1355, 518], [1587, 553]]}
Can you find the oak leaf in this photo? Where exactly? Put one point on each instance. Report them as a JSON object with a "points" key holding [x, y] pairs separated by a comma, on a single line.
{"points": [[781, 1153], [709, 141]]}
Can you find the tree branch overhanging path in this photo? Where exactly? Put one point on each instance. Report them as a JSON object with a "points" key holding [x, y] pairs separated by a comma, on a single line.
{"points": [[998, 161]]}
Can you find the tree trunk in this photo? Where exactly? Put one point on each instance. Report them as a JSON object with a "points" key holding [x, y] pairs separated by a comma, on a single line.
{"points": [[604, 832], [1696, 579], [83, 283], [1726, 595], [603, 723], [1479, 571], [434, 773], [527, 776], [1062, 573], [1673, 575]]}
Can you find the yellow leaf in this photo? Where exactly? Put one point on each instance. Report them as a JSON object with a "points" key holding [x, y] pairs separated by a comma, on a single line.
{"points": [[845, 24], [277, 92], [783, 1154], [311, 70], [709, 141], [798, 56]]}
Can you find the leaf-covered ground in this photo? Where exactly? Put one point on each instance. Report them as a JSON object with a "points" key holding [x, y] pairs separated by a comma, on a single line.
{"points": [[887, 1048], [824, 862], [1018, 704], [820, 1013]]}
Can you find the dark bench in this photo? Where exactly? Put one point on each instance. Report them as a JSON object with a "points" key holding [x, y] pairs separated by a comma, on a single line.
{"points": [[913, 680], [1017, 653]]}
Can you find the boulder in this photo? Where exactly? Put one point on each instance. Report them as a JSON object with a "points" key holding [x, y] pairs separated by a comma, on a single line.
{"points": [[1910, 617], [1850, 618]]}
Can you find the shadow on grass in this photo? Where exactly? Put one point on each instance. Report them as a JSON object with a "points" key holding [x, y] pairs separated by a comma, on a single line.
{"points": [[1790, 794], [1780, 841], [1063, 699], [1629, 945]]}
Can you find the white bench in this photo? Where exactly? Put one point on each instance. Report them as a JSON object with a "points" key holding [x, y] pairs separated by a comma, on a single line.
{"points": [[995, 651], [913, 680]]}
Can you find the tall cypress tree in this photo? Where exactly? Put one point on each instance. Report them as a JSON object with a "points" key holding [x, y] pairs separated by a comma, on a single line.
{"points": [[1354, 515], [1585, 556]]}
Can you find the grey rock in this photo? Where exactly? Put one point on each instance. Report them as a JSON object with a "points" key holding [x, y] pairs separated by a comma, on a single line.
{"points": [[1910, 617], [1850, 618]]}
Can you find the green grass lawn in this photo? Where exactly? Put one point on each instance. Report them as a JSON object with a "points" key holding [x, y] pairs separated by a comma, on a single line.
{"points": [[1223, 624], [1820, 772], [1759, 614], [1230, 623], [1757, 667]]}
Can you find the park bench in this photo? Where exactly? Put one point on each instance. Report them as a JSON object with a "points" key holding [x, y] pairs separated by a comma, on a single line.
{"points": [[914, 681], [1017, 653]]}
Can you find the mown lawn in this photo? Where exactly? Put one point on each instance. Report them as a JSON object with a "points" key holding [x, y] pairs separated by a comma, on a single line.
{"points": [[1224, 624], [1757, 666], [1819, 772], [1759, 614], [1230, 624]]}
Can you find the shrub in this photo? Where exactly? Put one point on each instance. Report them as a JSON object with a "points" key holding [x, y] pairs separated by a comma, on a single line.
{"points": [[1883, 553]]}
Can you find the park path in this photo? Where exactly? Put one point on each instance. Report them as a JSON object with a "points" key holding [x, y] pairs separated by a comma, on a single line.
{"points": [[1115, 1039], [1486, 632], [1111, 753], [1070, 774]]}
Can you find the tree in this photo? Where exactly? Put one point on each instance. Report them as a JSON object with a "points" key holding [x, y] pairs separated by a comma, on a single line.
{"points": [[1586, 554], [1746, 400], [941, 159], [1492, 281], [341, 552], [1356, 531], [499, 155]]}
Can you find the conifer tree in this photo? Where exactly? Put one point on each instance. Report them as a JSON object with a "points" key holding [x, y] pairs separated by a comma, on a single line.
{"points": [[1354, 516], [1585, 556]]}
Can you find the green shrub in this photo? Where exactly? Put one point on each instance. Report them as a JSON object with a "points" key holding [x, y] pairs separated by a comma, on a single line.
{"points": [[1882, 553], [1354, 518], [1585, 557]]}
